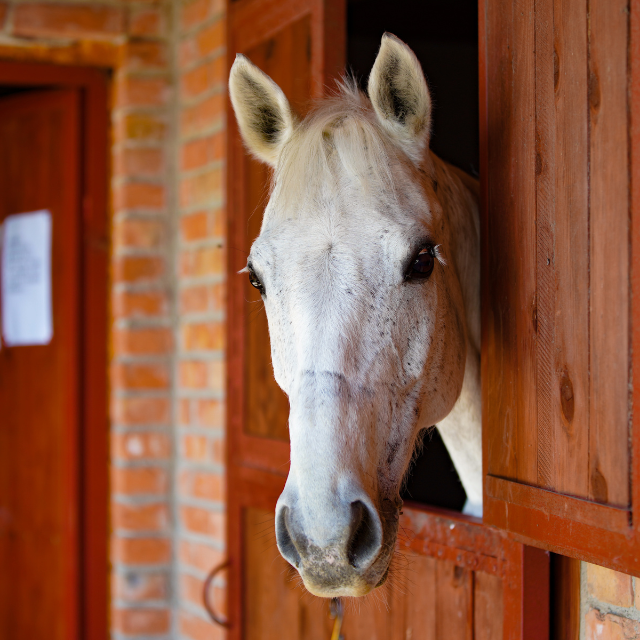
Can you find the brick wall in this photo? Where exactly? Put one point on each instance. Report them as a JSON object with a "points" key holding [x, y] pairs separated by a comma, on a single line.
{"points": [[200, 286], [167, 402], [610, 604]]}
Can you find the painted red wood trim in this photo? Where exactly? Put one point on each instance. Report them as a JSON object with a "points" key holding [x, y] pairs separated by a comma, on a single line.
{"points": [[552, 503], [634, 230]]}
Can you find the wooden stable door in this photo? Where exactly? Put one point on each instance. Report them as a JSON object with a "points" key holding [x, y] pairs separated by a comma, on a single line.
{"points": [[560, 118], [52, 396], [453, 578]]}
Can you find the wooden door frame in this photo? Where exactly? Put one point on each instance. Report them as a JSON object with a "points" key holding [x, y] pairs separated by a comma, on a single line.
{"points": [[93, 87]]}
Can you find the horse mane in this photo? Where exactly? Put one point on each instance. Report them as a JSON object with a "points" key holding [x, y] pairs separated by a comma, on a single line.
{"points": [[340, 139]]}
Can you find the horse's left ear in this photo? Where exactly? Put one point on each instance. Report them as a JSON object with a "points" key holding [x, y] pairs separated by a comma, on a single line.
{"points": [[400, 96]]}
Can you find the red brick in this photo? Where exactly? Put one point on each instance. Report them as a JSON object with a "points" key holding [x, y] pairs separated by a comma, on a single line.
{"points": [[204, 115], [139, 162], [210, 413], [137, 268], [197, 11], [140, 411], [610, 586], [142, 341], [141, 126], [139, 304], [211, 38], [197, 520], [206, 76], [199, 556], [610, 627], [147, 22], [195, 448], [204, 336], [67, 20], [140, 376], [193, 374], [141, 621], [198, 153], [138, 587], [137, 480], [201, 188], [200, 484], [200, 629], [141, 92], [140, 551], [138, 233], [204, 261], [141, 517], [195, 226], [141, 445], [139, 195], [143, 55]]}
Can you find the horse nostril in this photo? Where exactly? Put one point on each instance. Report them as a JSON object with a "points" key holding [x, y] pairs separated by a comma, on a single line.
{"points": [[366, 536], [284, 539]]}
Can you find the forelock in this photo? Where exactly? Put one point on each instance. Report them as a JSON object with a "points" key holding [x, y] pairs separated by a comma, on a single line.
{"points": [[340, 140]]}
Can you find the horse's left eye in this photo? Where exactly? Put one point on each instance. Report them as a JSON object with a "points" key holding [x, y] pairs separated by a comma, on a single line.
{"points": [[255, 281], [422, 266]]}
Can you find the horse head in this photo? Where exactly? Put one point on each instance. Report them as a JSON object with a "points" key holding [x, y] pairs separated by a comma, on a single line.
{"points": [[366, 262]]}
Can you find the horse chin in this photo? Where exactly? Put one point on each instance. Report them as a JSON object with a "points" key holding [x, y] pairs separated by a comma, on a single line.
{"points": [[346, 581]]}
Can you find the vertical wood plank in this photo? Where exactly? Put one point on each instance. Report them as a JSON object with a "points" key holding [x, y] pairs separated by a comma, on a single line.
{"points": [[609, 247], [276, 607], [545, 168], [570, 377], [454, 602], [420, 589], [509, 285], [488, 608]]}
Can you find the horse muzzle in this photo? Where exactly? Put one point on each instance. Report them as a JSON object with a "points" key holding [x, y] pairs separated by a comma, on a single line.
{"points": [[337, 551]]}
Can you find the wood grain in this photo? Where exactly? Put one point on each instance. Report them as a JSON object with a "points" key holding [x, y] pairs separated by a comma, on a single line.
{"points": [[509, 245], [488, 608], [609, 239], [556, 317]]}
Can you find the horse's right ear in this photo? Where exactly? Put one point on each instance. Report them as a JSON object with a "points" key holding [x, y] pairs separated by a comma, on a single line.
{"points": [[262, 110], [400, 96]]}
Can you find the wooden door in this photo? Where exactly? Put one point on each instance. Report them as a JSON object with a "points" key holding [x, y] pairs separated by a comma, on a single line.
{"points": [[39, 385], [560, 129], [453, 577], [53, 400]]}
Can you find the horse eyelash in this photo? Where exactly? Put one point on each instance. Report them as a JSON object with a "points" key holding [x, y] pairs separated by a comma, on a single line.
{"points": [[437, 252], [245, 270]]}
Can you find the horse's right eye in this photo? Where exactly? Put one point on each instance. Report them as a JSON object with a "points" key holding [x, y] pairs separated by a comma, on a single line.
{"points": [[255, 281], [422, 265]]}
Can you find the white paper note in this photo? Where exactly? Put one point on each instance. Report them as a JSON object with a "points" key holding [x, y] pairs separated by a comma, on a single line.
{"points": [[26, 279]]}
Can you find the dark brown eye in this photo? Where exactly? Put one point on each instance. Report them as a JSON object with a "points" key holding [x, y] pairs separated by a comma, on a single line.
{"points": [[255, 281], [422, 266]]}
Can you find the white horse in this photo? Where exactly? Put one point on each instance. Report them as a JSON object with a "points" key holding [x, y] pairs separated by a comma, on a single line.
{"points": [[368, 265]]}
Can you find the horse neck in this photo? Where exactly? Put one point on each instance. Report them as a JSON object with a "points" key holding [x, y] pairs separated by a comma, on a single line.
{"points": [[459, 196]]}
